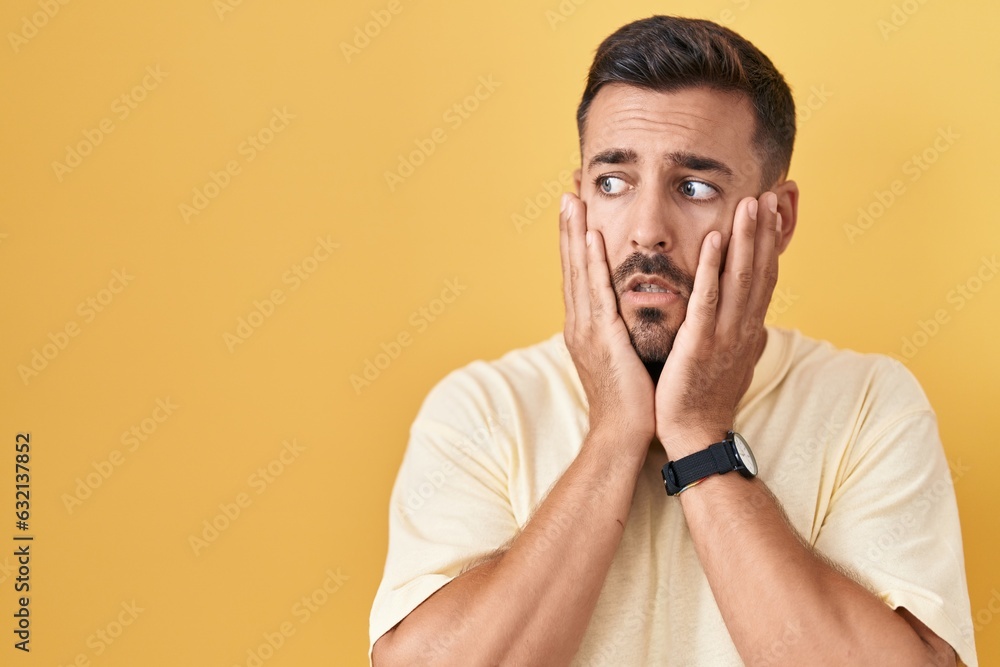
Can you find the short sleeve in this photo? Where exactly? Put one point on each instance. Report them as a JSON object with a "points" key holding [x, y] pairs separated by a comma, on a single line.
{"points": [[450, 503], [893, 519]]}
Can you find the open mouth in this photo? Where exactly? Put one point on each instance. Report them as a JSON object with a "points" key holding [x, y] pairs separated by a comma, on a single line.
{"points": [[644, 283], [650, 287]]}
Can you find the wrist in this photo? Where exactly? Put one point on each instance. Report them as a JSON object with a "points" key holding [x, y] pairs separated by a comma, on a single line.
{"points": [[684, 441], [632, 444]]}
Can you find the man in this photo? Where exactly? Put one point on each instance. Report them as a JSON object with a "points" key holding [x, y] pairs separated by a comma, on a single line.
{"points": [[529, 524]]}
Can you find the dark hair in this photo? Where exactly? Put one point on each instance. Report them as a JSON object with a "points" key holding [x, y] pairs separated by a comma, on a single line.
{"points": [[669, 53]]}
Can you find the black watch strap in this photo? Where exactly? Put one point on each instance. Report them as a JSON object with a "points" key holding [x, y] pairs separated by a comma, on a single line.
{"points": [[690, 469]]}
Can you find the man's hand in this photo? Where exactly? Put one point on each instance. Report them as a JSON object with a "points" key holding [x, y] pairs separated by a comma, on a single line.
{"points": [[712, 360], [618, 387]]}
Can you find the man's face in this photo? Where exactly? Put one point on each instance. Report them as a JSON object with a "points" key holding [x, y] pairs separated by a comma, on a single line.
{"points": [[659, 172]]}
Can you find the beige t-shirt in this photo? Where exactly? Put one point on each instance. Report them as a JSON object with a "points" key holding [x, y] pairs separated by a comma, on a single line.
{"points": [[847, 442]]}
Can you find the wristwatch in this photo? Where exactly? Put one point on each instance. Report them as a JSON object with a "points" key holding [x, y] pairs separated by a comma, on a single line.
{"points": [[733, 453]]}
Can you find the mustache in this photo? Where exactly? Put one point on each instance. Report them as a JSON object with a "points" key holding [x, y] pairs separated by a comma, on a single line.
{"points": [[653, 265]]}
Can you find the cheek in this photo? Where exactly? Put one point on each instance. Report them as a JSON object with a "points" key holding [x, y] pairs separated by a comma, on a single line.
{"points": [[712, 217], [688, 238], [601, 217], [615, 242], [707, 220]]}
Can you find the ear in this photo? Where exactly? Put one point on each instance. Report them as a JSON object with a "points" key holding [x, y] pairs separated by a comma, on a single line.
{"points": [[577, 175], [788, 207]]}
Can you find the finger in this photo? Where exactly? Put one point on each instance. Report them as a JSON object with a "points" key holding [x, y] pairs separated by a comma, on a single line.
{"points": [[564, 259], [738, 275], [703, 306], [576, 223], [765, 263], [602, 294]]}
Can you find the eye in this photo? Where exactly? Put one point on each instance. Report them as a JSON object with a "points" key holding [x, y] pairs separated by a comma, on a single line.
{"points": [[698, 190], [609, 186]]}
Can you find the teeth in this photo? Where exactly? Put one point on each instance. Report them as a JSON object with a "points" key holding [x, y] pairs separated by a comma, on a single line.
{"points": [[648, 287]]}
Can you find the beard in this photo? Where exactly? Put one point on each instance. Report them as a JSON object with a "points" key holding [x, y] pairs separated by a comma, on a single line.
{"points": [[651, 336], [651, 333]]}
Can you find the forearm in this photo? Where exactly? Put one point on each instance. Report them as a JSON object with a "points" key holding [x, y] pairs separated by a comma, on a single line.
{"points": [[782, 602], [531, 604]]}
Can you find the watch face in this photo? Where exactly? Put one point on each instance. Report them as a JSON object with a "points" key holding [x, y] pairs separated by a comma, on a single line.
{"points": [[743, 450]]}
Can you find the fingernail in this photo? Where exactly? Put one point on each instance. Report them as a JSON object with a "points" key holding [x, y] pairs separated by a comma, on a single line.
{"points": [[752, 209], [590, 236], [564, 203], [772, 202], [717, 239], [779, 223]]}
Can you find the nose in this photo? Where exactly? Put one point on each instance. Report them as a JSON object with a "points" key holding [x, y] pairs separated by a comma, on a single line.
{"points": [[652, 229]]}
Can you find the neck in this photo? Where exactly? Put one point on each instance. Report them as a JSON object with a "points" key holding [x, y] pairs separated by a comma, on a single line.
{"points": [[654, 368]]}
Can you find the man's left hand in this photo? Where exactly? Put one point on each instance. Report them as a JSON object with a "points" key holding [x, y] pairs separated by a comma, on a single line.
{"points": [[711, 363]]}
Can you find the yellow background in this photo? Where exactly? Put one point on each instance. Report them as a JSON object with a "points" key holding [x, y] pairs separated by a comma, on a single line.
{"points": [[878, 98]]}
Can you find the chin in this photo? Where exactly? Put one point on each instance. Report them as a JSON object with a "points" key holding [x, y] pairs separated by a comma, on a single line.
{"points": [[651, 336]]}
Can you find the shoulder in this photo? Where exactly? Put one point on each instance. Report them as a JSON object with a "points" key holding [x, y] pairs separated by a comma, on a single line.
{"points": [[840, 374], [504, 389]]}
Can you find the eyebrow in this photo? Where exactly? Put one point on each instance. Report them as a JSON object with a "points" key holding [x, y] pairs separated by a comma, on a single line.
{"points": [[684, 159], [613, 156]]}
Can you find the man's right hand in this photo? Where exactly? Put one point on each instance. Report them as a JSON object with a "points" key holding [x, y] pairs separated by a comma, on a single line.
{"points": [[531, 603], [619, 389]]}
